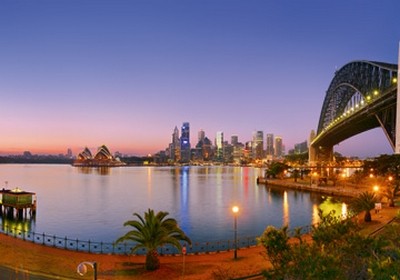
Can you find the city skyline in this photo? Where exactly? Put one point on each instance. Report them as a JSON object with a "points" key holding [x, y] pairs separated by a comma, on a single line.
{"points": [[124, 74]]}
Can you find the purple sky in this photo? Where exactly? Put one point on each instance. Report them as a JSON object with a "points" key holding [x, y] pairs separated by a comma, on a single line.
{"points": [[125, 73]]}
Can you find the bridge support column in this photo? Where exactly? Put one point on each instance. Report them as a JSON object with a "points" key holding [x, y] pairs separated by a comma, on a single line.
{"points": [[320, 157], [397, 147], [312, 156]]}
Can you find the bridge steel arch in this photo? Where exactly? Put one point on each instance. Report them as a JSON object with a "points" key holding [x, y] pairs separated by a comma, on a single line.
{"points": [[361, 96]]}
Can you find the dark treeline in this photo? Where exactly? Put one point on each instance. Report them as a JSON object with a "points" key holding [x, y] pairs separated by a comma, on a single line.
{"points": [[60, 159], [36, 159]]}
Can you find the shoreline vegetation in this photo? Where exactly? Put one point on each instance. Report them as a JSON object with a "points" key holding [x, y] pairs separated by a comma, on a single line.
{"points": [[26, 257]]}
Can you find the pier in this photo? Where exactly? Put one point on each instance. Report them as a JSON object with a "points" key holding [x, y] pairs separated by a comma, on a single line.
{"points": [[16, 203]]}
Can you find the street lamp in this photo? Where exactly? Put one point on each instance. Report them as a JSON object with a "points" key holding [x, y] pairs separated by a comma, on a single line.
{"points": [[235, 210], [82, 269]]}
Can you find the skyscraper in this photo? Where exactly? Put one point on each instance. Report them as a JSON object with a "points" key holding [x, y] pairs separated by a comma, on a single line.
{"points": [[258, 144], [175, 150], [185, 142], [278, 147], [201, 135], [270, 145], [234, 140], [219, 145]]}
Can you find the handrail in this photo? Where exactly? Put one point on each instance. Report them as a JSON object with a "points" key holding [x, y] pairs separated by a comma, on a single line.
{"points": [[126, 248]]}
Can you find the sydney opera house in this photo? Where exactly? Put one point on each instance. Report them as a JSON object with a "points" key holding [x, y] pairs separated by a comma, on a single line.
{"points": [[103, 157]]}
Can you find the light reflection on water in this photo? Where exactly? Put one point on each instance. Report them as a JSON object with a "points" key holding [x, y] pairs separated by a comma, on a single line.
{"points": [[93, 203]]}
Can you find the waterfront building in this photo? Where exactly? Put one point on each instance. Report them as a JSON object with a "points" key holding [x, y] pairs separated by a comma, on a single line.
{"points": [[301, 147], [175, 146], [103, 157], [247, 152], [238, 153], [203, 150], [17, 200], [207, 149], [278, 147], [228, 152], [160, 157], [258, 144], [85, 155], [185, 143], [198, 151], [269, 151], [219, 146]]}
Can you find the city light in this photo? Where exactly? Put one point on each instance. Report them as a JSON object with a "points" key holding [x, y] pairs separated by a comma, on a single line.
{"points": [[235, 210], [82, 268]]}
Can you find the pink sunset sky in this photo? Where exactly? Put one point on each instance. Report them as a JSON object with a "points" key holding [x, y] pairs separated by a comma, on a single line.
{"points": [[125, 73]]}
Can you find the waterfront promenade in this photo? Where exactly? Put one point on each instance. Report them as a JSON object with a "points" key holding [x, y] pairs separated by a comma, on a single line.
{"points": [[26, 257], [340, 189]]}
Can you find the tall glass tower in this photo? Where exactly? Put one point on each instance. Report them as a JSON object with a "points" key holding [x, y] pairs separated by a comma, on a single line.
{"points": [[258, 144], [185, 142], [270, 145], [278, 147], [219, 144]]}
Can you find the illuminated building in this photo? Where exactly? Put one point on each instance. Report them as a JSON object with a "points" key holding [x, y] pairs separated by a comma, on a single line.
{"points": [[258, 144], [270, 145], [185, 143], [219, 145], [278, 147], [103, 157]]}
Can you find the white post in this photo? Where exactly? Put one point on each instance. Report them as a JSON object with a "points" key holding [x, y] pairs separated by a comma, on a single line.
{"points": [[397, 148]]}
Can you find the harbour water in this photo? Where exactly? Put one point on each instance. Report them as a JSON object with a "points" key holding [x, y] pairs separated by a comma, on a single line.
{"points": [[93, 203]]}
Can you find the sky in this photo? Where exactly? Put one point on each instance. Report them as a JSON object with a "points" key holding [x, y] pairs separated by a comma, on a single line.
{"points": [[125, 73]]}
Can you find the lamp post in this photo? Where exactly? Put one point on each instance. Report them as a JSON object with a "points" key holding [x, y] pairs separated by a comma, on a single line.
{"points": [[235, 210], [82, 269]]}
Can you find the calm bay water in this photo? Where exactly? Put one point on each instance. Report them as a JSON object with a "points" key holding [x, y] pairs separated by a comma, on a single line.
{"points": [[92, 203]]}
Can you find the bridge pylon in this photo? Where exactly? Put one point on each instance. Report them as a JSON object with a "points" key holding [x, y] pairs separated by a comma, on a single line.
{"points": [[320, 156]]}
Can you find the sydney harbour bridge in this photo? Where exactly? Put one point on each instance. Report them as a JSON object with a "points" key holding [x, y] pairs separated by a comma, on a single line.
{"points": [[362, 95]]}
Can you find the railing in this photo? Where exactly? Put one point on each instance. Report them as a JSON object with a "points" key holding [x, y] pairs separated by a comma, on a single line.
{"points": [[126, 248]]}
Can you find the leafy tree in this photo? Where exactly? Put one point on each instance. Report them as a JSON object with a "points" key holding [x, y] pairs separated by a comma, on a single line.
{"points": [[331, 229], [276, 243], [385, 265], [296, 260], [339, 251], [275, 169], [297, 159], [387, 164], [365, 202], [357, 177], [391, 191], [151, 232]]}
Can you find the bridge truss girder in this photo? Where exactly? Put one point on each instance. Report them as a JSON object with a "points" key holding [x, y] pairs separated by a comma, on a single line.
{"points": [[363, 77], [371, 84]]}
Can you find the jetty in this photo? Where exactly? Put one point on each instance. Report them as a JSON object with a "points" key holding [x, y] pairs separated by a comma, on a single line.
{"points": [[16, 203]]}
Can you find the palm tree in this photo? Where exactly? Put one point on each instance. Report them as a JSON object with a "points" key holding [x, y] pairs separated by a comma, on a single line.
{"points": [[365, 202], [153, 231]]}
